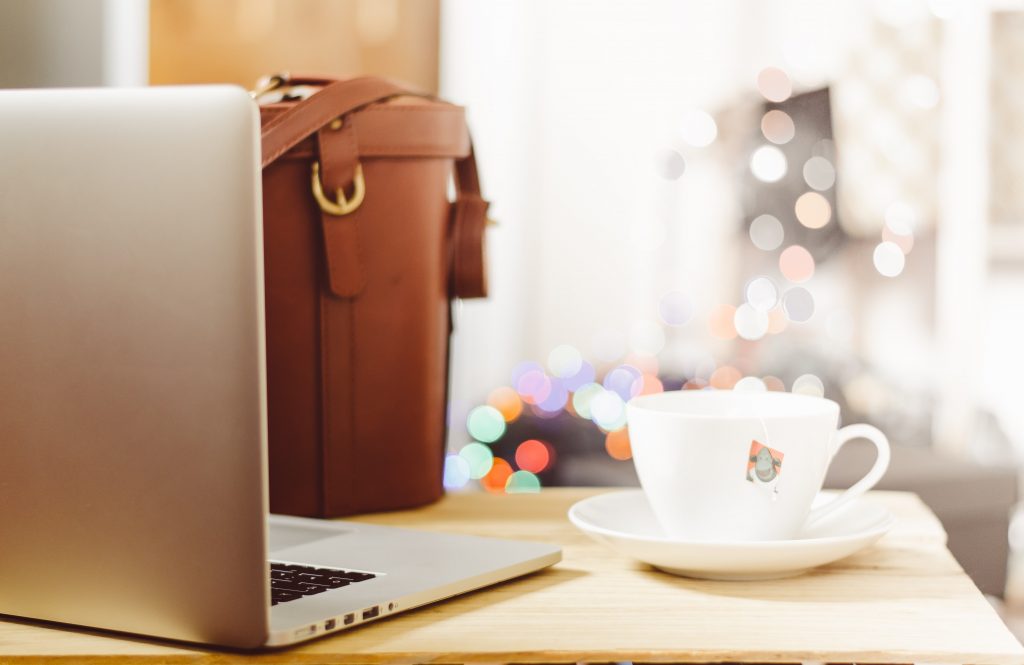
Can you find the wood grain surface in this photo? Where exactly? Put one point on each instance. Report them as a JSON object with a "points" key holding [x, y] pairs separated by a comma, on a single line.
{"points": [[905, 600]]}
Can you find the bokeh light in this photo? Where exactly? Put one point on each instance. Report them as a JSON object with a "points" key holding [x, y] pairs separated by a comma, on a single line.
{"points": [[889, 259], [478, 459], [456, 472], [533, 455], [796, 264], [819, 173], [750, 384], [670, 164], [582, 398], [617, 444], [534, 386], [522, 482], [564, 361], [798, 304], [698, 128], [621, 380], [485, 423], [762, 294], [774, 384], [809, 384], [766, 233], [812, 210], [777, 321], [751, 323], [646, 338], [675, 308], [507, 402], [695, 384], [522, 368], [496, 478], [768, 164], [721, 322], [646, 364], [647, 384], [556, 397], [584, 376], [725, 377], [774, 84], [608, 410], [777, 127]]}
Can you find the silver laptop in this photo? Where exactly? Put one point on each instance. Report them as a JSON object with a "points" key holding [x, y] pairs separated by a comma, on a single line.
{"points": [[133, 480]]}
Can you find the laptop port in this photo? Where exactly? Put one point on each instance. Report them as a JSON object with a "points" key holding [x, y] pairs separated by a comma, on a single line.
{"points": [[371, 613], [330, 624], [350, 618]]}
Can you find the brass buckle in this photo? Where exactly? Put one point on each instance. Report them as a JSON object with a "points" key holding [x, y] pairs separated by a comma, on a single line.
{"points": [[343, 206]]}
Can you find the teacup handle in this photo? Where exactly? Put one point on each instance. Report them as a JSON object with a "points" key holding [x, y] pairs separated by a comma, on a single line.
{"points": [[848, 433]]}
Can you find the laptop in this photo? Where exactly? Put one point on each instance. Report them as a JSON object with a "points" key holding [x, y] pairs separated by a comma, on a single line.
{"points": [[133, 479]]}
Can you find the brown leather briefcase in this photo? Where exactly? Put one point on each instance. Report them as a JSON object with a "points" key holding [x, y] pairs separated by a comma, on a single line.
{"points": [[363, 253]]}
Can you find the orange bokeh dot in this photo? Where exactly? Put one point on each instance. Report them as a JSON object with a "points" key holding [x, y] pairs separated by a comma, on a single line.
{"points": [[725, 377], [533, 456], [649, 385], [721, 322], [695, 384], [507, 402], [774, 384], [496, 478], [813, 210], [617, 444], [777, 320], [774, 84], [796, 264]]}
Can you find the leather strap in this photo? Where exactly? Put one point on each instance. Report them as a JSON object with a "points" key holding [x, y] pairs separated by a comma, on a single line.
{"points": [[338, 149], [307, 116]]}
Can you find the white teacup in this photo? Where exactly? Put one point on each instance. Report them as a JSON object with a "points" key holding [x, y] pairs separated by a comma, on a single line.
{"points": [[718, 465]]}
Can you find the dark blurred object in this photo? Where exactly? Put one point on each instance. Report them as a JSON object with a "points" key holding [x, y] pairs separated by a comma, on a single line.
{"points": [[811, 115], [973, 502]]}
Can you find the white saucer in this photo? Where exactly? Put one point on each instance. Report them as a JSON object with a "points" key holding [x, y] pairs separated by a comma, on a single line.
{"points": [[624, 522]]}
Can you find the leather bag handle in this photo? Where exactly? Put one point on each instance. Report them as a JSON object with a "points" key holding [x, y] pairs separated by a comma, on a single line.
{"points": [[307, 116]]}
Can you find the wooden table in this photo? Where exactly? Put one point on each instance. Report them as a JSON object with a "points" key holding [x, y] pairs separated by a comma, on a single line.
{"points": [[905, 600]]}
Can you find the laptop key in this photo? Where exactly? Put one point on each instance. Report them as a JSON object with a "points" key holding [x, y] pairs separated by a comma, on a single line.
{"points": [[285, 585], [282, 596], [282, 575], [355, 577]]}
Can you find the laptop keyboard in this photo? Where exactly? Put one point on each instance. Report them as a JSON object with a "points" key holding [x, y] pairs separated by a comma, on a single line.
{"points": [[290, 581]]}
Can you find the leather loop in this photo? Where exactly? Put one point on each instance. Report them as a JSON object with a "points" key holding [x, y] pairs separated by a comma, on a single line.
{"points": [[346, 274], [469, 229], [469, 225]]}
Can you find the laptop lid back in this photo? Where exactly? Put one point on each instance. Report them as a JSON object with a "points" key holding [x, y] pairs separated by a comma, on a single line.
{"points": [[132, 399]]}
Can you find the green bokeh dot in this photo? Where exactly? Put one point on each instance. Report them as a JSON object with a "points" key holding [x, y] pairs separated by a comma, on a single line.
{"points": [[479, 458], [486, 424], [522, 482]]}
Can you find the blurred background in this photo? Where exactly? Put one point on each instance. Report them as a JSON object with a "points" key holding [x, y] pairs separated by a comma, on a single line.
{"points": [[814, 196]]}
